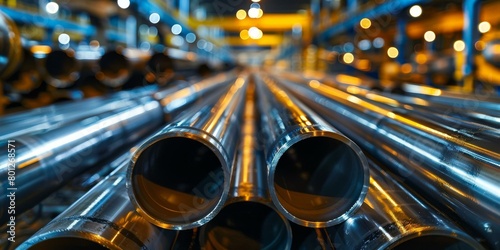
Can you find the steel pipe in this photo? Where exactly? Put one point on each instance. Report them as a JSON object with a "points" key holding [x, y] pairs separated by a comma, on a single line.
{"points": [[46, 161], [11, 49], [391, 217], [248, 220], [103, 218], [179, 178], [456, 168], [317, 177], [484, 101], [173, 100]]}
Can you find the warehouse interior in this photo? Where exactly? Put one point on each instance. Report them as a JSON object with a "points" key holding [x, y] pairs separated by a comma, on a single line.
{"points": [[250, 124]]}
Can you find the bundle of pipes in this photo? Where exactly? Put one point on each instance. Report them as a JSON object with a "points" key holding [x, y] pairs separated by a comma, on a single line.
{"points": [[46, 161], [317, 177], [391, 218], [180, 177], [103, 218], [482, 109], [248, 220], [456, 168]]}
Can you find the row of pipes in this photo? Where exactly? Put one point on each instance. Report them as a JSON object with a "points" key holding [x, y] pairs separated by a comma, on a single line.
{"points": [[257, 159]]}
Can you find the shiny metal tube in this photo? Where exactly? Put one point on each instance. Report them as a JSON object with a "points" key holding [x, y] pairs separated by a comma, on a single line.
{"points": [[11, 49], [317, 177], [179, 178], [466, 101], [458, 169], [393, 218], [248, 220], [103, 218], [46, 161], [41, 120]]}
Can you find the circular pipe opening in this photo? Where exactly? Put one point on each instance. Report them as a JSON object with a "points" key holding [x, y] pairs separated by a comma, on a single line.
{"points": [[177, 182], [433, 242], [63, 243], [319, 181], [246, 225]]}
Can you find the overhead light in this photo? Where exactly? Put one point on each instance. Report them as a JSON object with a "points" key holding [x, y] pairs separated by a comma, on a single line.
{"points": [[176, 29], [63, 39], [365, 23], [255, 1], [348, 58], [52, 8], [123, 3], [416, 11], [253, 13], [254, 6], [255, 33], [484, 27], [190, 37], [392, 52], [244, 35], [429, 36], [241, 14], [154, 18], [459, 45], [378, 42]]}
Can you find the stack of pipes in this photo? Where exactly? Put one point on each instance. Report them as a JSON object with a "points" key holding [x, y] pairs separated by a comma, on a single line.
{"points": [[270, 160]]}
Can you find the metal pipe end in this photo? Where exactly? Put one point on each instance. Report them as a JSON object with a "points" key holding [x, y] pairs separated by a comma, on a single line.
{"points": [[247, 225], [317, 178], [179, 179]]}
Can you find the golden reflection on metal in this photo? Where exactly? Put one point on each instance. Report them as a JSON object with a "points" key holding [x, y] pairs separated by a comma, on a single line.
{"points": [[426, 90], [382, 99], [336, 94], [347, 79], [249, 142], [221, 107], [283, 98]]}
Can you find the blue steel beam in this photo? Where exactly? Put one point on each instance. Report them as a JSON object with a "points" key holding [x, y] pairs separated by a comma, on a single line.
{"points": [[46, 22], [470, 34], [146, 7], [388, 8]]}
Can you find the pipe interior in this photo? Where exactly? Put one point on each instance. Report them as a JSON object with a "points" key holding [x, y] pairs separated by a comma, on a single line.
{"points": [[178, 180], [246, 225], [433, 242], [319, 179], [64, 243]]}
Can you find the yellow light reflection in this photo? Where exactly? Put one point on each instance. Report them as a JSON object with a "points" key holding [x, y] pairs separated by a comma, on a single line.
{"points": [[348, 58], [244, 34], [40, 49], [392, 52], [365, 23], [347, 79], [421, 58], [459, 45], [241, 14], [406, 68], [484, 27]]}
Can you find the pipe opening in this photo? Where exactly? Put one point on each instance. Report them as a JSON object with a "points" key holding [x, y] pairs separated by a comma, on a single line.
{"points": [[178, 180], [246, 225], [319, 179], [431, 242], [63, 243]]}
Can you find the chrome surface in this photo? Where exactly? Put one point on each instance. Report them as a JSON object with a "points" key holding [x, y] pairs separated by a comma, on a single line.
{"points": [[45, 162], [466, 101], [11, 49], [248, 220], [41, 120], [180, 177], [103, 218], [317, 177], [393, 218], [455, 165]]}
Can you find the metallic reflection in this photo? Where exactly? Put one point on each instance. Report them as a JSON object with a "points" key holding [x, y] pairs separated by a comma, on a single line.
{"points": [[316, 176], [179, 178], [455, 164]]}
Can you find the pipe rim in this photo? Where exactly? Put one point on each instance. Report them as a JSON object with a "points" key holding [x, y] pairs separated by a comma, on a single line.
{"points": [[71, 234], [187, 133], [285, 142], [260, 201]]}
